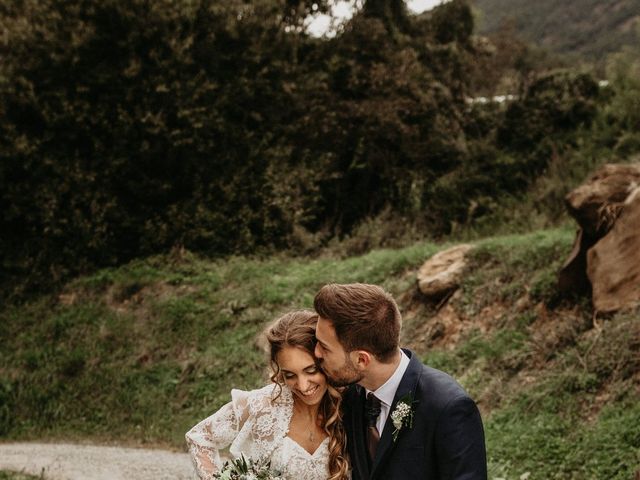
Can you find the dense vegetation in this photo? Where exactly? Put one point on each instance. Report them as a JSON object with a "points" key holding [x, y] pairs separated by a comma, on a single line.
{"points": [[132, 127], [138, 354]]}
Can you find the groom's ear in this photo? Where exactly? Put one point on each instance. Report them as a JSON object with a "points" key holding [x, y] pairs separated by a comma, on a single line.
{"points": [[362, 359]]}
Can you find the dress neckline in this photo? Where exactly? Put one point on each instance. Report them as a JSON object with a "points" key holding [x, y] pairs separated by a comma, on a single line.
{"points": [[326, 440]]}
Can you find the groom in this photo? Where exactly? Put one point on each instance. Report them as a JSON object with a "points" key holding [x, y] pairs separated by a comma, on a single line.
{"points": [[404, 420]]}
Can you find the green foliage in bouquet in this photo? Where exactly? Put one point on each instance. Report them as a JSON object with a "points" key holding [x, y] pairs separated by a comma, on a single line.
{"points": [[243, 469]]}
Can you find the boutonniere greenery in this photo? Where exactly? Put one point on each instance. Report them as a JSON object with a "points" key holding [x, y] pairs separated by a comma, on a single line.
{"points": [[402, 415]]}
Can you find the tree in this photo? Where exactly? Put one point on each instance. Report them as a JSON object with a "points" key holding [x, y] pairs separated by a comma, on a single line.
{"points": [[129, 127]]}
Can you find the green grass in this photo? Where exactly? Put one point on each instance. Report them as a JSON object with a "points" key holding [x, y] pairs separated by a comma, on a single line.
{"points": [[5, 475], [563, 397], [140, 353], [581, 418]]}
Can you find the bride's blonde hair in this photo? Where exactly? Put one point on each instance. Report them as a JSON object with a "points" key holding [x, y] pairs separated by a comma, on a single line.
{"points": [[298, 329]]}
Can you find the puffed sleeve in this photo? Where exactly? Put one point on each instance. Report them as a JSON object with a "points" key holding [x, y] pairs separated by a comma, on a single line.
{"points": [[216, 432]]}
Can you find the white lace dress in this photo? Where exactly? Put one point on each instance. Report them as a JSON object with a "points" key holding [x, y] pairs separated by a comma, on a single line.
{"points": [[255, 425]]}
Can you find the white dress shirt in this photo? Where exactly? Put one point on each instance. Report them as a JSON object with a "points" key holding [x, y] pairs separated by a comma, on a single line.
{"points": [[387, 391]]}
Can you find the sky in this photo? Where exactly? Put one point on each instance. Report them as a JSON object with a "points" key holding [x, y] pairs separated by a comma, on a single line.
{"points": [[420, 6], [342, 10]]}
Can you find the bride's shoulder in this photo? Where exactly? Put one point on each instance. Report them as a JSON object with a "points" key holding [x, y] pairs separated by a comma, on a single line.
{"points": [[266, 398]]}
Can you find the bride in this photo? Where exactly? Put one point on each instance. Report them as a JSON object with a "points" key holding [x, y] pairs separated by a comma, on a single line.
{"points": [[295, 421]]}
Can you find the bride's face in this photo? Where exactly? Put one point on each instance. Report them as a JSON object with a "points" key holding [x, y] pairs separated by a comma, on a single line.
{"points": [[302, 375]]}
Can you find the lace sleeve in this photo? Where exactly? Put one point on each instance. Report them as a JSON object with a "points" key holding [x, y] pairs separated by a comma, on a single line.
{"points": [[214, 433]]}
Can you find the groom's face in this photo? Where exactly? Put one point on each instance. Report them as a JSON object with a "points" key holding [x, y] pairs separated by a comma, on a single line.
{"points": [[334, 361]]}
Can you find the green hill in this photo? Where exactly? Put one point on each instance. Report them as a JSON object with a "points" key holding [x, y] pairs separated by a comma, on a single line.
{"points": [[588, 29], [138, 354]]}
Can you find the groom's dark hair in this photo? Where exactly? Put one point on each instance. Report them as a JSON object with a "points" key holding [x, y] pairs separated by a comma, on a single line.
{"points": [[365, 317]]}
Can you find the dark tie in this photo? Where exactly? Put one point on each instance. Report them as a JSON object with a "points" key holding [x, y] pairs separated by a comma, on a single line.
{"points": [[371, 412]]}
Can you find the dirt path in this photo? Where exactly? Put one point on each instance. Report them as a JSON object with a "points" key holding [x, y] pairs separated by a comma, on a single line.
{"points": [[92, 462]]}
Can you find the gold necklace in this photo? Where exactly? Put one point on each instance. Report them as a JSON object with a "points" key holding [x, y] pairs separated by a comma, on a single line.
{"points": [[312, 433], [311, 429]]}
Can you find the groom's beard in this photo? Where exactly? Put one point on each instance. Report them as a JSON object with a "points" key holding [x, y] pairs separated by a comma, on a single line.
{"points": [[344, 376]]}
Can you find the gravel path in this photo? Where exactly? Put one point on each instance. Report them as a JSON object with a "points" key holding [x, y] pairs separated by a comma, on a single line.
{"points": [[60, 461]]}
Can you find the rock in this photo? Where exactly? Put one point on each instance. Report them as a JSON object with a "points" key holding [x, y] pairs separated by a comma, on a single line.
{"points": [[613, 264], [440, 275], [573, 276], [595, 205], [605, 259]]}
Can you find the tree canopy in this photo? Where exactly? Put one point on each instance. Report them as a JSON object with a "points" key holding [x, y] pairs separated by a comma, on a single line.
{"points": [[130, 127]]}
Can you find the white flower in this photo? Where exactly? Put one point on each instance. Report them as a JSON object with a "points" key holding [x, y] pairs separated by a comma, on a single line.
{"points": [[402, 415], [399, 414]]}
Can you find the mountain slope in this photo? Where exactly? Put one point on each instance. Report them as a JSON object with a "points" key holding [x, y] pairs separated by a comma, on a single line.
{"points": [[587, 29]]}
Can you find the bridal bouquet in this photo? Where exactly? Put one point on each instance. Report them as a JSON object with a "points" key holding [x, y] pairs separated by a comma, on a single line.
{"points": [[243, 469]]}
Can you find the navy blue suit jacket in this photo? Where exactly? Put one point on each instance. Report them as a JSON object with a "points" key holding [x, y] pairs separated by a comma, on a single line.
{"points": [[446, 440]]}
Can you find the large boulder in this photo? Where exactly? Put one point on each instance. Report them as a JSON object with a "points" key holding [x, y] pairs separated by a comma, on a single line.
{"points": [[598, 205], [573, 274], [441, 274], [613, 264]]}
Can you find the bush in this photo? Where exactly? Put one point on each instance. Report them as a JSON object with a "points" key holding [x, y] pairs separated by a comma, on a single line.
{"points": [[555, 104]]}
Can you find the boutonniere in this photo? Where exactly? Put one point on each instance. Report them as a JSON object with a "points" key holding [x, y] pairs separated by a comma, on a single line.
{"points": [[402, 415]]}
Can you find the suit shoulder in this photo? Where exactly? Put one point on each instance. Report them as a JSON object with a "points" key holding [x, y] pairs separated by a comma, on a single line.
{"points": [[440, 387]]}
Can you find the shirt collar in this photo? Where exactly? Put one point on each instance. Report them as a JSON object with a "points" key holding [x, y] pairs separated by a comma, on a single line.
{"points": [[387, 391]]}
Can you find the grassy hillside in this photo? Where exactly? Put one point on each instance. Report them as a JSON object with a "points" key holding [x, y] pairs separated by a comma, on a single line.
{"points": [[585, 28], [138, 354]]}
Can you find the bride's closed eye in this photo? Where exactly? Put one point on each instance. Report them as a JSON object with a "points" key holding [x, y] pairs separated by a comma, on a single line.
{"points": [[310, 370]]}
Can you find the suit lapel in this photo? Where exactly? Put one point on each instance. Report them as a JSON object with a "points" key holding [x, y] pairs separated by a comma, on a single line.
{"points": [[361, 460], [407, 386]]}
